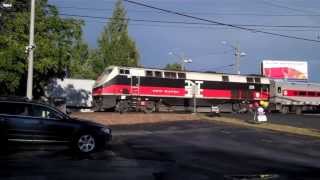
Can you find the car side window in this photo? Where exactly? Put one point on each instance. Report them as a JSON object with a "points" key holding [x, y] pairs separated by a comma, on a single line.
{"points": [[44, 112], [9, 108]]}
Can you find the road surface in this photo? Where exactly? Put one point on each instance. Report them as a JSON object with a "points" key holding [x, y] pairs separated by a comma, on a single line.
{"points": [[304, 121], [173, 150]]}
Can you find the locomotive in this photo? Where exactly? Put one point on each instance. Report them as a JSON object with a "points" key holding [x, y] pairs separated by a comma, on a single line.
{"points": [[146, 89]]}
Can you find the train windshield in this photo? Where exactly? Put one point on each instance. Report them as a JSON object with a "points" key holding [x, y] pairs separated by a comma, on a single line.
{"points": [[103, 76]]}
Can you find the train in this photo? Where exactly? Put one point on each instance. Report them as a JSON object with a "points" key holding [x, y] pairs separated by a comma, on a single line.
{"points": [[147, 89], [286, 96]]}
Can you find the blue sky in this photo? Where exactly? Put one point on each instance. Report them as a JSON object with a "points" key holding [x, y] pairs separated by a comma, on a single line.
{"points": [[202, 43]]}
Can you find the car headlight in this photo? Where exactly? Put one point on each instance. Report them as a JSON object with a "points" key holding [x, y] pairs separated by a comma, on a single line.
{"points": [[106, 130]]}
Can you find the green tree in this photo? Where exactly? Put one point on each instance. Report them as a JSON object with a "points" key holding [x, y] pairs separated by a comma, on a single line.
{"points": [[55, 39], [81, 62], [174, 66], [115, 45]]}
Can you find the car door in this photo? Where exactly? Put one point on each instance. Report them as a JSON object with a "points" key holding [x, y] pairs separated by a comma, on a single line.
{"points": [[55, 126], [17, 122]]}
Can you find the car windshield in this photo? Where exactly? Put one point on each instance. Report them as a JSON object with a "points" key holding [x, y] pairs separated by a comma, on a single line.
{"points": [[159, 89]]}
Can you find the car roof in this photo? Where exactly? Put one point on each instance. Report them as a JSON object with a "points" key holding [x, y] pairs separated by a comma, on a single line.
{"points": [[20, 99]]}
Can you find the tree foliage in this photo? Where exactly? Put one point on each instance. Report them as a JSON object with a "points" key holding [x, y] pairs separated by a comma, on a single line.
{"points": [[115, 45], [174, 66], [55, 39]]}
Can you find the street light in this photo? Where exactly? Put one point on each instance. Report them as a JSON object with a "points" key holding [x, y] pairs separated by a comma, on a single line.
{"points": [[182, 59], [6, 5], [237, 53]]}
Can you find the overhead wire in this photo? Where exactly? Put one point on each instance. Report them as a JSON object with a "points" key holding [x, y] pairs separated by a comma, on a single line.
{"points": [[267, 2], [204, 27], [190, 23], [204, 13], [222, 23]]}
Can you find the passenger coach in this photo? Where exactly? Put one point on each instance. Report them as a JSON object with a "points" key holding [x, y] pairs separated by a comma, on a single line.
{"points": [[127, 88]]}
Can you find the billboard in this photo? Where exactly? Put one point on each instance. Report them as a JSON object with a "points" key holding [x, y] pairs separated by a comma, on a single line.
{"points": [[292, 70]]}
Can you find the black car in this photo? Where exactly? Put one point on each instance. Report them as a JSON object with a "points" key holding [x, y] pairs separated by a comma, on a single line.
{"points": [[24, 121]]}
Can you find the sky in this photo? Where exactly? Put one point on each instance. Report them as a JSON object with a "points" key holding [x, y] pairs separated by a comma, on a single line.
{"points": [[202, 43]]}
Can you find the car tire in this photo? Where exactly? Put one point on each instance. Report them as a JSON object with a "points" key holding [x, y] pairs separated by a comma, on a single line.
{"points": [[85, 143]]}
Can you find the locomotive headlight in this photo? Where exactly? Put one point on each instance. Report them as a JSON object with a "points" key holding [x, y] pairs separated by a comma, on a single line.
{"points": [[257, 94]]}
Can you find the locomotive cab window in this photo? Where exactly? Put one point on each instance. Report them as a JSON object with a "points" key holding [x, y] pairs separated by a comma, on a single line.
{"points": [[149, 73], [249, 80], [257, 80], [225, 78], [158, 74], [171, 75], [124, 71], [181, 75]]}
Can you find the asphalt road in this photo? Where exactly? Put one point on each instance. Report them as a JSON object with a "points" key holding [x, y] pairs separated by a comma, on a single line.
{"points": [[184, 150], [304, 120]]}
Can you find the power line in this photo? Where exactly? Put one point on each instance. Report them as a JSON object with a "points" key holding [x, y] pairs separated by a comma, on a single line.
{"points": [[205, 27], [204, 13], [191, 23], [221, 23], [284, 7]]}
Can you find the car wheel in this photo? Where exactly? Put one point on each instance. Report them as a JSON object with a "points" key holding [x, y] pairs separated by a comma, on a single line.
{"points": [[86, 143]]}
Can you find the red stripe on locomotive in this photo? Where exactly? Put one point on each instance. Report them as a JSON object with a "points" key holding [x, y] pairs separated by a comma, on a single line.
{"points": [[176, 92]]}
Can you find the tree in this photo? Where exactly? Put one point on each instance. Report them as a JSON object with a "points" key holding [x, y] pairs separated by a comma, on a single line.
{"points": [[115, 45], [174, 66], [55, 39], [81, 63]]}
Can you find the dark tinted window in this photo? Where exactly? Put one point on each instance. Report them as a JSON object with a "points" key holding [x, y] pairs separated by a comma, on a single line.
{"points": [[124, 71], [249, 80], [170, 75], [257, 80], [279, 89], [158, 73], [149, 73], [225, 78], [302, 93], [44, 112], [181, 75], [14, 108], [311, 93]]}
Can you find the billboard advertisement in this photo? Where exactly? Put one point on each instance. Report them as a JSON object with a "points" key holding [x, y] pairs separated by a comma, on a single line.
{"points": [[292, 70]]}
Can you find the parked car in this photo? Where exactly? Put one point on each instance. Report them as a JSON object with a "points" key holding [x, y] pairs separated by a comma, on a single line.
{"points": [[26, 121]]}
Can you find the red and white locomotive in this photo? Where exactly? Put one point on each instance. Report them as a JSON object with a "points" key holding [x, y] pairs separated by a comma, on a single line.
{"points": [[147, 88]]}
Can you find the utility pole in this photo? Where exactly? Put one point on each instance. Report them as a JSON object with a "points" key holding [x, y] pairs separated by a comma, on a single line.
{"points": [[183, 59], [30, 50], [237, 54]]}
